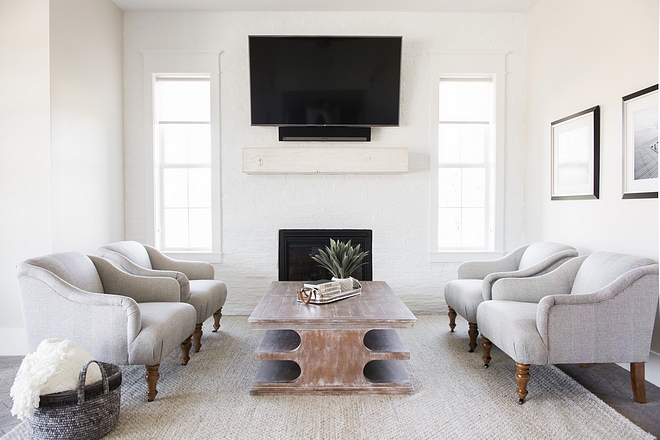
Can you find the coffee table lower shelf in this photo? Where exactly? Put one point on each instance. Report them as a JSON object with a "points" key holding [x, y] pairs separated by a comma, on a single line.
{"points": [[367, 363], [278, 377]]}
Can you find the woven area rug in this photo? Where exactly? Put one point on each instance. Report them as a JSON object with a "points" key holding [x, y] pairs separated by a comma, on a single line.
{"points": [[455, 397]]}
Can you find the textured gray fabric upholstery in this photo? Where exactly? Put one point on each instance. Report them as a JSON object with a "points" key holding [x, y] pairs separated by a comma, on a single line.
{"points": [[164, 327], [477, 277], [500, 319], [196, 278], [63, 295], [140, 288], [532, 289], [464, 296], [127, 256], [594, 309], [194, 270]]}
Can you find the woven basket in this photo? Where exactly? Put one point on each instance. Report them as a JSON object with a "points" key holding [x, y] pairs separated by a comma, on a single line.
{"points": [[88, 412]]}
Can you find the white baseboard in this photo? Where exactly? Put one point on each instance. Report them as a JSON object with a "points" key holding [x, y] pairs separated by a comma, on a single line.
{"points": [[651, 370], [14, 342]]}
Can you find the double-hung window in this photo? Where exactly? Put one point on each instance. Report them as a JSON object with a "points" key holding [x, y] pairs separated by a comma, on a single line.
{"points": [[465, 164], [183, 147], [467, 144], [183, 164]]}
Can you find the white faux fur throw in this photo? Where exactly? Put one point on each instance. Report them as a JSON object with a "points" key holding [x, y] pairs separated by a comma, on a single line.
{"points": [[54, 367]]}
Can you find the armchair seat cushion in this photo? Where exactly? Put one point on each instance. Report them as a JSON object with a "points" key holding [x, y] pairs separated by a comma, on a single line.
{"points": [[464, 296], [207, 296], [512, 327], [164, 326]]}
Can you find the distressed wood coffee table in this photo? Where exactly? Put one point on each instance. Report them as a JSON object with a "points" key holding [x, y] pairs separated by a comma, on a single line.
{"points": [[348, 346]]}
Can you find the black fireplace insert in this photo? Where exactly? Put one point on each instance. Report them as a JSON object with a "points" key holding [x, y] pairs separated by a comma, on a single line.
{"points": [[296, 247]]}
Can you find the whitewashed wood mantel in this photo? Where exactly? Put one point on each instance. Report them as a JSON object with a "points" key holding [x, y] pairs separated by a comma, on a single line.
{"points": [[325, 160]]}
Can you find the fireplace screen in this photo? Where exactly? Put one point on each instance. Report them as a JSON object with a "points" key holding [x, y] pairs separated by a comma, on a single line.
{"points": [[297, 246]]}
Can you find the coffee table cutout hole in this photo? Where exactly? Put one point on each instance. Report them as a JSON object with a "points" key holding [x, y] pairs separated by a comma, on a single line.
{"points": [[277, 372], [385, 372], [383, 340]]}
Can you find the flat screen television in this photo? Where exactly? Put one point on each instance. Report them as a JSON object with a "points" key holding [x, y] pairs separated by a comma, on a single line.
{"points": [[325, 81]]}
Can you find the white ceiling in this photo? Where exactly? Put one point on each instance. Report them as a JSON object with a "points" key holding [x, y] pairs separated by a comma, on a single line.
{"points": [[328, 5]]}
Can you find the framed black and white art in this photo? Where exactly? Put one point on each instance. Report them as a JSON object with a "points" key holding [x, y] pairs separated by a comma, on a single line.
{"points": [[640, 144], [576, 156]]}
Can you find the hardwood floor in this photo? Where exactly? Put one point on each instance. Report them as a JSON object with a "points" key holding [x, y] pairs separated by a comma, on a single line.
{"points": [[8, 368], [609, 382]]}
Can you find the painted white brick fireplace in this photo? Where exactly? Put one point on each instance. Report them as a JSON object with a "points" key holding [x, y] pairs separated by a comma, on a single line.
{"points": [[395, 206]]}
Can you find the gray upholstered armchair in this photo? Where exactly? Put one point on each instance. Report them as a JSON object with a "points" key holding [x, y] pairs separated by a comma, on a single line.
{"points": [[196, 279], [594, 309], [475, 279], [117, 317]]}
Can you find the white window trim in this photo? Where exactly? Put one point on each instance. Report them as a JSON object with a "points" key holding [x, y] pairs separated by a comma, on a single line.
{"points": [[486, 64], [162, 63]]}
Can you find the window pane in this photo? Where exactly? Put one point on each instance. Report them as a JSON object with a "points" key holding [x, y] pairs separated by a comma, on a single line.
{"points": [[181, 100], [474, 227], [449, 187], [449, 227], [185, 143], [449, 150], [199, 141], [174, 139], [473, 140], [175, 228], [199, 184], [200, 228], [473, 192], [175, 188], [465, 100]]}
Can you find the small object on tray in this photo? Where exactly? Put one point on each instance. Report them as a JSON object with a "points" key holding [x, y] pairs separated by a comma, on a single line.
{"points": [[329, 291]]}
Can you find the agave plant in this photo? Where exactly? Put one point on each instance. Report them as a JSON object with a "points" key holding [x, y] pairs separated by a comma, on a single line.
{"points": [[340, 259]]}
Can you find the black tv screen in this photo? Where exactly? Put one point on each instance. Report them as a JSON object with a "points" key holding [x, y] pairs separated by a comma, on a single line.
{"points": [[325, 81]]}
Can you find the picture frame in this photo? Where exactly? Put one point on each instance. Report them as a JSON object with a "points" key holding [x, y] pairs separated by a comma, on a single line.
{"points": [[640, 144], [576, 156]]}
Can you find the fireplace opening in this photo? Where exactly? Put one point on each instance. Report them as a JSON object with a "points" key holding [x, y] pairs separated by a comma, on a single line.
{"points": [[296, 247]]}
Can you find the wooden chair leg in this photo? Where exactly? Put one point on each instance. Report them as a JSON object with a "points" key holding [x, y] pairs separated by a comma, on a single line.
{"points": [[197, 338], [185, 350], [472, 333], [637, 381], [216, 319], [522, 376], [485, 348], [152, 379], [452, 319]]}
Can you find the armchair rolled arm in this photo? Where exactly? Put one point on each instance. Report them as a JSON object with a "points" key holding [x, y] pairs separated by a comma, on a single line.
{"points": [[103, 324], [532, 289], [479, 269], [194, 270], [140, 288], [123, 263], [620, 313]]}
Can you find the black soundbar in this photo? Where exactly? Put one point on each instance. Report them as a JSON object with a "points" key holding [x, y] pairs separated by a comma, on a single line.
{"points": [[347, 134]]}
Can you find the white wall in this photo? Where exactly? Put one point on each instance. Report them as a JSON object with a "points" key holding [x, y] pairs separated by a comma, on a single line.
{"points": [[86, 47], [581, 54], [25, 168], [395, 207], [61, 171]]}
